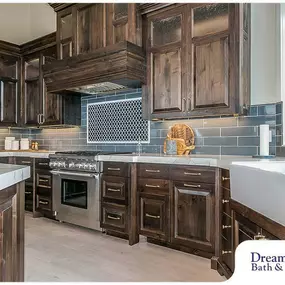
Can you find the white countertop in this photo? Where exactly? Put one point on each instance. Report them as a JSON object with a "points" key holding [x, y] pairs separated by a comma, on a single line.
{"points": [[39, 154], [11, 174], [221, 161]]}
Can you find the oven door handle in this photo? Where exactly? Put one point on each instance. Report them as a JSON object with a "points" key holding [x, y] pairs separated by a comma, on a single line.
{"points": [[74, 173]]}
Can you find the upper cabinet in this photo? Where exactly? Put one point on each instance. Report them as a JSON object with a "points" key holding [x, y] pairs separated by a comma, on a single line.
{"points": [[198, 60], [83, 28], [9, 89]]}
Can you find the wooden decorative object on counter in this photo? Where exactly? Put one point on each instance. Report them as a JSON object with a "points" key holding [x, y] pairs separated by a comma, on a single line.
{"points": [[184, 136]]}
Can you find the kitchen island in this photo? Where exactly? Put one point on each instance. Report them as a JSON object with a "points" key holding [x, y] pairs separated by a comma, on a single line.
{"points": [[12, 217]]}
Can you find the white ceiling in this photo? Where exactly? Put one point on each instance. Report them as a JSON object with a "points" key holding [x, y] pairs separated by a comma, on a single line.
{"points": [[20, 23]]}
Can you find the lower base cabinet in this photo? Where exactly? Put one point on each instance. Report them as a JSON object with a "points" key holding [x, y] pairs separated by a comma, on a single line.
{"points": [[154, 213], [193, 216]]}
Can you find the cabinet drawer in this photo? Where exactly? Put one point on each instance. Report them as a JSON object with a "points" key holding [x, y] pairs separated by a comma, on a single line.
{"points": [[42, 163], [114, 217], [43, 203], [29, 193], [195, 186], [185, 173], [43, 180], [153, 171], [116, 169], [24, 161], [114, 187], [154, 216], [155, 186]]}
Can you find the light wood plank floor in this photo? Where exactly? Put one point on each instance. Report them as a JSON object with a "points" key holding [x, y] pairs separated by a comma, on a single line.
{"points": [[61, 252]]}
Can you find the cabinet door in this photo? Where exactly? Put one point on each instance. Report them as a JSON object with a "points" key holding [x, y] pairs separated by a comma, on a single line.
{"points": [[64, 34], [32, 101], [167, 61], [9, 100], [90, 27], [212, 58], [51, 103], [193, 217], [9, 90], [33, 91], [154, 216]]}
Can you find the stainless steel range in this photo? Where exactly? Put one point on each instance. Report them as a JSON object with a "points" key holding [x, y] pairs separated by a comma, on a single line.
{"points": [[76, 185]]}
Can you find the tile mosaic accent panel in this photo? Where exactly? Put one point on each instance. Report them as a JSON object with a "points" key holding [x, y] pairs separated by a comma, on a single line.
{"points": [[118, 121], [213, 136]]}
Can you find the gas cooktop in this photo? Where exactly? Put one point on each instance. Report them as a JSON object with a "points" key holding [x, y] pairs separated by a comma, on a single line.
{"points": [[86, 153]]}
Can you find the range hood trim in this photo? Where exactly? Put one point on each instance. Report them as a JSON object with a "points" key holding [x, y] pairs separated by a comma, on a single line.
{"points": [[120, 63]]}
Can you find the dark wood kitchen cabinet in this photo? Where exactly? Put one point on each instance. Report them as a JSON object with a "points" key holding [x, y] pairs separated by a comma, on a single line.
{"points": [[198, 58], [114, 193], [83, 28], [9, 89], [193, 216], [43, 187], [41, 107]]}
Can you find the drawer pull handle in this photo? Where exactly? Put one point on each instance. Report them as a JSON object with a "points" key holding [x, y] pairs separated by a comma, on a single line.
{"points": [[226, 251], [152, 186], [24, 161], [43, 163], [193, 174], [225, 201], [225, 178], [259, 237], [226, 227], [113, 218], [114, 169], [43, 180], [152, 216], [191, 185], [114, 190], [44, 203], [152, 170], [27, 192]]}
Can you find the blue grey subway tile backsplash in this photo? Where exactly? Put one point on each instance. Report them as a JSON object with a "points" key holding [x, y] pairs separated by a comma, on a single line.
{"points": [[213, 136]]}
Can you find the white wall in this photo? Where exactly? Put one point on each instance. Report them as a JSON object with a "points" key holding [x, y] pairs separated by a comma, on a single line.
{"points": [[265, 53], [20, 23]]}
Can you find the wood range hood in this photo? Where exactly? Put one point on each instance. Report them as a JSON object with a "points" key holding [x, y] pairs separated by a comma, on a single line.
{"points": [[118, 66]]}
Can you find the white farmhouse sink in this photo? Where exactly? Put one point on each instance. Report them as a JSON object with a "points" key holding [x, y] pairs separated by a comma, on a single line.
{"points": [[260, 185]]}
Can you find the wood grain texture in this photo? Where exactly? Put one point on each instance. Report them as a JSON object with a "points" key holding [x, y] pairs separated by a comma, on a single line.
{"points": [[166, 81], [260, 220], [211, 74], [123, 61], [12, 232], [133, 207], [193, 218], [154, 216]]}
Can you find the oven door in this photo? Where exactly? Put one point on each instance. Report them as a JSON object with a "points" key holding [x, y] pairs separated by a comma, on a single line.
{"points": [[76, 198]]}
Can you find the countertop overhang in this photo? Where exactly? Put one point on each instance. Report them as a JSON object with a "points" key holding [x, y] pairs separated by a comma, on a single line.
{"points": [[221, 161], [11, 174]]}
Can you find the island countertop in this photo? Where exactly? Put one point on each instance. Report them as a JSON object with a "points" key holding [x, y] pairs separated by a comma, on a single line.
{"points": [[221, 161], [11, 174]]}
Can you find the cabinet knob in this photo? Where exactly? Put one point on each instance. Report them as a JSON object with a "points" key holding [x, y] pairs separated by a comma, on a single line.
{"points": [[225, 178], [225, 201], [259, 236], [226, 251], [226, 227]]}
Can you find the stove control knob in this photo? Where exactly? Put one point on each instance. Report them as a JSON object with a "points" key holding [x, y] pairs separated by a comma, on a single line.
{"points": [[78, 165], [92, 166], [61, 164], [71, 165], [51, 164], [86, 165]]}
